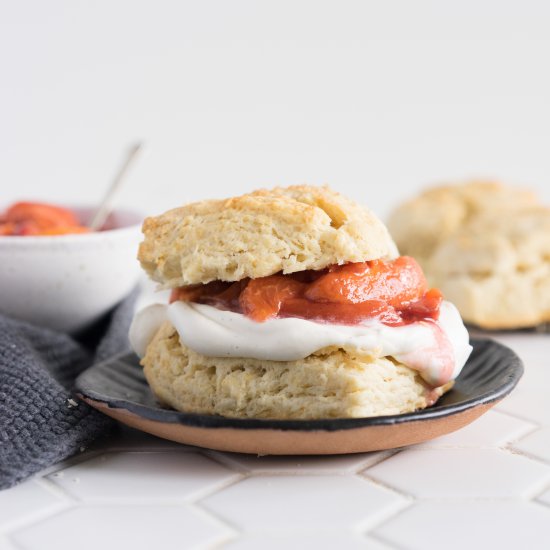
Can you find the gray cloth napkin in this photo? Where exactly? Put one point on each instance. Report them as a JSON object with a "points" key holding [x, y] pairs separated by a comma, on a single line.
{"points": [[41, 422]]}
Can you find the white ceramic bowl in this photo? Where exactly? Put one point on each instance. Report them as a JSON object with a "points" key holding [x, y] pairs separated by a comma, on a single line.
{"points": [[66, 282]]}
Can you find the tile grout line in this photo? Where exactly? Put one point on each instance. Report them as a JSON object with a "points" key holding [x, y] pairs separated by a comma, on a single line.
{"points": [[384, 455], [198, 494], [296, 472], [219, 518], [536, 496], [391, 545], [504, 450], [57, 490], [66, 463], [405, 501], [508, 449], [361, 527], [472, 499], [536, 492], [14, 543], [233, 531], [521, 417], [516, 417], [428, 447], [279, 472], [220, 458], [35, 517], [520, 452], [415, 498], [219, 544], [539, 502], [201, 494], [236, 477], [367, 525], [362, 475], [65, 502], [530, 429]]}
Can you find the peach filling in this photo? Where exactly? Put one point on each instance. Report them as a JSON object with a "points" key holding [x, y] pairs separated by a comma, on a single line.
{"points": [[34, 218], [394, 292]]}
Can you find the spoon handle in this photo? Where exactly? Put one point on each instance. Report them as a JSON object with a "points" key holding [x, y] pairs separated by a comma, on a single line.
{"points": [[105, 206]]}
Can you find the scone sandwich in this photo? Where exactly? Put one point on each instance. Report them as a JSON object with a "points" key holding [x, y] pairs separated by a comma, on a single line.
{"points": [[291, 303], [486, 246]]}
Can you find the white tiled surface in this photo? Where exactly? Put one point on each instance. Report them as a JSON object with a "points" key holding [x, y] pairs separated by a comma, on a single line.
{"points": [[344, 539], [133, 527], [28, 500], [145, 477], [303, 465], [281, 503], [493, 429], [486, 486], [461, 473], [536, 444], [469, 525], [545, 497]]}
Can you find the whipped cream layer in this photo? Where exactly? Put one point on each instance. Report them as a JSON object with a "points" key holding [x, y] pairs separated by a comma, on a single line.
{"points": [[437, 350]]}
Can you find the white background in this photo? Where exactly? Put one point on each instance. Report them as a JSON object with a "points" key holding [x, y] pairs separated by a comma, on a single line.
{"points": [[375, 98]]}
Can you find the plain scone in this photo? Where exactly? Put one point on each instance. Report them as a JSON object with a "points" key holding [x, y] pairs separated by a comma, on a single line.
{"points": [[328, 384], [283, 229], [486, 246], [422, 223], [496, 269]]}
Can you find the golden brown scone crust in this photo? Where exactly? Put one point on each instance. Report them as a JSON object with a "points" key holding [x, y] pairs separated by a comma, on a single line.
{"points": [[496, 269], [486, 246], [422, 223], [258, 234], [327, 384]]}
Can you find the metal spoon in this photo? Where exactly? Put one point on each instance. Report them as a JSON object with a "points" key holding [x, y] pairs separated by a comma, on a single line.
{"points": [[106, 205]]}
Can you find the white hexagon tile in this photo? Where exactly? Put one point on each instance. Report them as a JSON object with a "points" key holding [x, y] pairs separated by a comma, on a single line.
{"points": [[133, 527], [306, 465], [503, 525], [493, 429], [485, 486], [536, 443], [6, 544], [530, 399], [28, 501], [307, 503], [545, 497], [322, 540], [461, 473], [170, 476]]}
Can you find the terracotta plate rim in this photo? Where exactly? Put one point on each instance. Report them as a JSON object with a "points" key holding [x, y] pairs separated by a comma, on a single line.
{"points": [[514, 368]]}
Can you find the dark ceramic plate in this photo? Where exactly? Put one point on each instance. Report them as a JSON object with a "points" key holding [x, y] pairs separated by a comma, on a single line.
{"points": [[118, 388]]}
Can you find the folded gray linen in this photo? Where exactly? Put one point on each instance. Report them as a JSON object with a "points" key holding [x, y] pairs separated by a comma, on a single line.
{"points": [[41, 422]]}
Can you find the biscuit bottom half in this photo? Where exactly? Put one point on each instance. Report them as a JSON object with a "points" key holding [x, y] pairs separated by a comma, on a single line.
{"points": [[331, 383]]}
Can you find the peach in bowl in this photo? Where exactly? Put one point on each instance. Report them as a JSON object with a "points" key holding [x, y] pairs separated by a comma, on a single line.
{"points": [[56, 273]]}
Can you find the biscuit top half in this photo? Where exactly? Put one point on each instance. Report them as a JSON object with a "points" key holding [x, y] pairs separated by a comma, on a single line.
{"points": [[261, 233]]}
